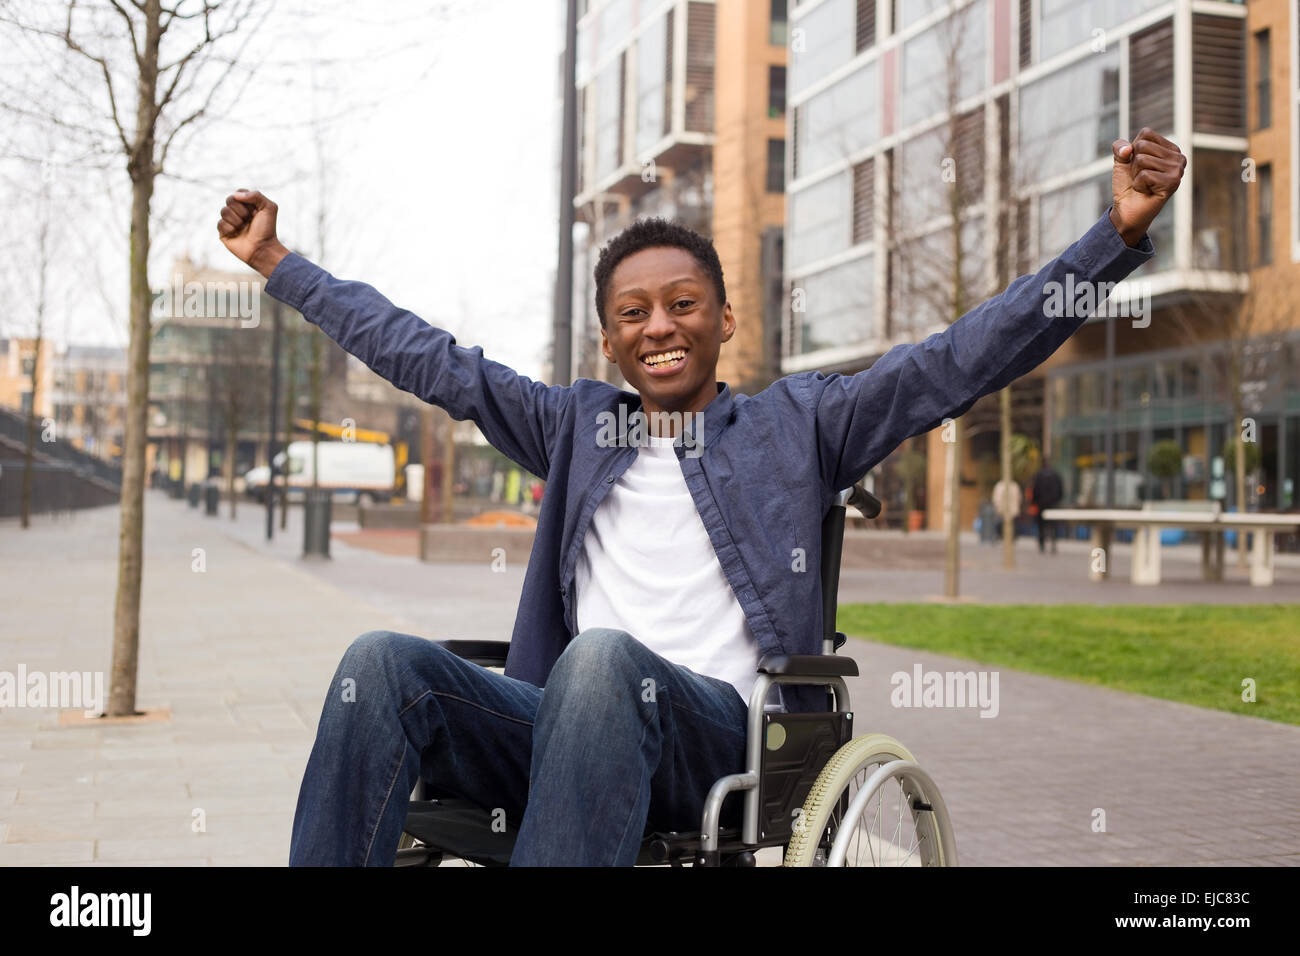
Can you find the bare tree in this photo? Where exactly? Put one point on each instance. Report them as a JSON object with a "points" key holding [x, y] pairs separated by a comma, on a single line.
{"points": [[1241, 331], [44, 252], [171, 54], [937, 270], [240, 367]]}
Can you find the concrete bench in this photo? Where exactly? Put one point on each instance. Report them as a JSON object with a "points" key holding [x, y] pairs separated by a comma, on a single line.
{"points": [[1204, 517]]}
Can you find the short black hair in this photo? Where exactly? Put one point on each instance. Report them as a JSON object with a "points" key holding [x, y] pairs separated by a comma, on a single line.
{"points": [[649, 234]]}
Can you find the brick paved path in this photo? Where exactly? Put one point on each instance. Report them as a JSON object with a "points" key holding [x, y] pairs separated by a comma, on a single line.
{"points": [[242, 652]]}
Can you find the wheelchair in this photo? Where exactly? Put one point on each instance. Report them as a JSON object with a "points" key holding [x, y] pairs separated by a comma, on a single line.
{"points": [[828, 798]]}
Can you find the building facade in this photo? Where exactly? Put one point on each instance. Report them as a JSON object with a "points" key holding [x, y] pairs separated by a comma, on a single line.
{"points": [[681, 114], [89, 399], [210, 377], [18, 358], [939, 149]]}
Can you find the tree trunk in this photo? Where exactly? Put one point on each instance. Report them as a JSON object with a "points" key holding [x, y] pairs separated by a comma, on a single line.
{"points": [[232, 445], [952, 514], [130, 558], [1241, 491], [29, 452], [43, 264], [448, 467], [1237, 372], [1008, 521]]}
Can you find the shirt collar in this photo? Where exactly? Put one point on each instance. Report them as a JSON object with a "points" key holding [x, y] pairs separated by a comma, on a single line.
{"points": [[715, 416]]}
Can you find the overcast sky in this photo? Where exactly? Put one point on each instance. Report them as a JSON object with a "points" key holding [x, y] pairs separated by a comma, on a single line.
{"points": [[437, 156]]}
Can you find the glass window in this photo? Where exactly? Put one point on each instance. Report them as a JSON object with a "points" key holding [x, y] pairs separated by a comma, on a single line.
{"points": [[652, 58], [1091, 398], [1069, 118], [1264, 219], [838, 304], [1137, 382], [775, 91], [779, 31], [956, 44], [1065, 215], [1191, 378], [615, 26], [1067, 23], [919, 165], [609, 116], [839, 121], [776, 165], [820, 220], [821, 42], [910, 11], [1263, 86], [1164, 376], [921, 280]]}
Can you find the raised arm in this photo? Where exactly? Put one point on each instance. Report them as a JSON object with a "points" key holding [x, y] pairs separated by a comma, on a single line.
{"points": [[516, 414], [911, 389]]}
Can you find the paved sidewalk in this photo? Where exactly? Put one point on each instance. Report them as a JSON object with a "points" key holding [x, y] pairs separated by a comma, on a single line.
{"points": [[242, 652]]}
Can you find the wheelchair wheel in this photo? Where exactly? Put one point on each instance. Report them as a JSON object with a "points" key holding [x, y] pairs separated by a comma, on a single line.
{"points": [[872, 806]]}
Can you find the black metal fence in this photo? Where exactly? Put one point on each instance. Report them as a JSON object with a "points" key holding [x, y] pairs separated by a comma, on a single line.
{"points": [[63, 478], [13, 426], [56, 486]]}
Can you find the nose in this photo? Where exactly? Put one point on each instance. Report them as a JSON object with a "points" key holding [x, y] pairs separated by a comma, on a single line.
{"points": [[661, 324]]}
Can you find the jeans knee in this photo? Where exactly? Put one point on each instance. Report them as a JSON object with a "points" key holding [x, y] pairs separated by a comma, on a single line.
{"points": [[371, 658], [600, 656]]}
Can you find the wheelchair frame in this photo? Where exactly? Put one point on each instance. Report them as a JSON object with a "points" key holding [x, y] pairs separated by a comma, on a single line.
{"points": [[774, 785]]}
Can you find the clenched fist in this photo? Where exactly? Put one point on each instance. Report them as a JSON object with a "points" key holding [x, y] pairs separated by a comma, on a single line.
{"points": [[247, 228], [1146, 173]]}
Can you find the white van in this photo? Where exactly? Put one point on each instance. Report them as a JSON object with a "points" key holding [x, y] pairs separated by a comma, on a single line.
{"points": [[354, 471]]}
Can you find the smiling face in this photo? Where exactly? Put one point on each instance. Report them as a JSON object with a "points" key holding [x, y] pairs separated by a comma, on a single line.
{"points": [[664, 327]]}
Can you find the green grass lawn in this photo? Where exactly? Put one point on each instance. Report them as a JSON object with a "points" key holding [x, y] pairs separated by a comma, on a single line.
{"points": [[1197, 654]]}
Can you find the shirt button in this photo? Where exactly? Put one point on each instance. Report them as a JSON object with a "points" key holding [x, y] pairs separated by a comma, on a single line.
{"points": [[610, 479]]}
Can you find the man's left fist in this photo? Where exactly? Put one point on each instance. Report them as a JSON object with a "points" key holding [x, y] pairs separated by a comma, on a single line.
{"points": [[1147, 172]]}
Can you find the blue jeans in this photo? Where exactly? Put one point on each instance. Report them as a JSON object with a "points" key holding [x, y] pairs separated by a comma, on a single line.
{"points": [[620, 740]]}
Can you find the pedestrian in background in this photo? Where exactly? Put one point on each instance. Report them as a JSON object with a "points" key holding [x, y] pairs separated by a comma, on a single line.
{"points": [[1006, 499], [1046, 491]]}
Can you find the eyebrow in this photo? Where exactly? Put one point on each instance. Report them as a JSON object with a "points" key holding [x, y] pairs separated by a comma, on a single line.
{"points": [[666, 285]]}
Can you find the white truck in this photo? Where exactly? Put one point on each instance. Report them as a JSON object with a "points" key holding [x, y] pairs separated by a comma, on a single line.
{"points": [[354, 471]]}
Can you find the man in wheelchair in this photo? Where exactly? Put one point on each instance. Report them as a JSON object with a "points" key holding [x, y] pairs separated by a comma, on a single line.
{"points": [[677, 546]]}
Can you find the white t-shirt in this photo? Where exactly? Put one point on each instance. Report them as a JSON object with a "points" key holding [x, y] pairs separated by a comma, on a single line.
{"points": [[647, 567]]}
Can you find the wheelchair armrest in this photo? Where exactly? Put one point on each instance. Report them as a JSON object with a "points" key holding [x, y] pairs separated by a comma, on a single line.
{"points": [[808, 665], [483, 653]]}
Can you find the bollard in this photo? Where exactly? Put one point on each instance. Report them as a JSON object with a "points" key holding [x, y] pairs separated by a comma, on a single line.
{"points": [[212, 497], [196, 493], [317, 511]]}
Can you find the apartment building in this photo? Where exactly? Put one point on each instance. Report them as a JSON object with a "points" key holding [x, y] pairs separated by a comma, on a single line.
{"points": [[18, 357], [938, 149], [681, 114], [210, 372], [89, 399]]}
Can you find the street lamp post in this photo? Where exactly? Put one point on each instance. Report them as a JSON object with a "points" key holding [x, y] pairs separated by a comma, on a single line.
{"points": [[275, 401]]}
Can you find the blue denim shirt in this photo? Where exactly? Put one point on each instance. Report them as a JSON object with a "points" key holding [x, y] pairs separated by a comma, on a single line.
{"points": [[767, 467]]}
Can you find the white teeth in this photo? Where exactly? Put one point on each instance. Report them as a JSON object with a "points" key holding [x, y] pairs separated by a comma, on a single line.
{"points": [[666, 358]]}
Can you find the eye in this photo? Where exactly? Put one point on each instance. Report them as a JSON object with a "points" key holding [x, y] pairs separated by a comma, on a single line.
{"points": [[628, 312], [686, 302]]}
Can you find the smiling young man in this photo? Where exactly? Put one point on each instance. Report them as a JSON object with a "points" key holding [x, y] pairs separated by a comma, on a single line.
{"points": [[658, 576]]}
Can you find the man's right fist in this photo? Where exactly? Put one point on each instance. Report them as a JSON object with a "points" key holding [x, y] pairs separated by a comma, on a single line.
{"points": [[247, 228]]}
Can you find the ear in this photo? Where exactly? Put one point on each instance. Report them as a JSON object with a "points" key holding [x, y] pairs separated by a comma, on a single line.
{"points": [[604, 345], [728, 322]]}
